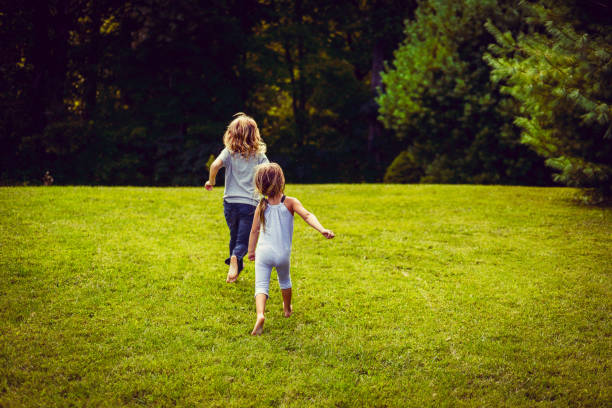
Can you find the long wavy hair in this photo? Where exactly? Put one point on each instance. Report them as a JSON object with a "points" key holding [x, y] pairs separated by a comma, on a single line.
{"points": [[242, 136], [269, 182]]}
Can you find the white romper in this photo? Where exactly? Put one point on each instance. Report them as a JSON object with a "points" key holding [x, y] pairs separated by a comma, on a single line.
{"points": [[274, 248]]}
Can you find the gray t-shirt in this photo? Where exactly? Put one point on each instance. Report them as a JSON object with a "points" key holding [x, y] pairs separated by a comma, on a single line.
{"points": [[239, 173]]}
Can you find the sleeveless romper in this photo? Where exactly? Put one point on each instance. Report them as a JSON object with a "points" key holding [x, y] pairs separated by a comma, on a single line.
{"points": [[274, 248]]}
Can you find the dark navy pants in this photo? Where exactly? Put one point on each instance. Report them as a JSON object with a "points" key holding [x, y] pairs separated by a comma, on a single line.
{"points": [[239, 218]]}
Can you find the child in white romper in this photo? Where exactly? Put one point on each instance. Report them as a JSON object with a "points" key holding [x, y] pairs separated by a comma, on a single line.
{"points": [[274, 217]]}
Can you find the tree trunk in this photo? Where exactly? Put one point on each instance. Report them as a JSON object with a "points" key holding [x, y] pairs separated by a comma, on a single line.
{"points": [[294, 92], [298, 92], [301, 118], [374, 126], [92, 61], [59, 64], [40, 61], [50, 61]]}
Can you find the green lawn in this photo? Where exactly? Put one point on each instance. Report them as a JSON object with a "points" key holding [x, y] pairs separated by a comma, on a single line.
{"points": [[428, 296]]}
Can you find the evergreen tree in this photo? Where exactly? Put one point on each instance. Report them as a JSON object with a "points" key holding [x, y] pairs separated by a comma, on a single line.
{"points": [[560, 70], [440, 100]]}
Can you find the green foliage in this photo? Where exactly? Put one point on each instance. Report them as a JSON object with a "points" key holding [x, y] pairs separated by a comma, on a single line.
{"points": [[559, 70], [210, 161], [404, 169], [471, 296], [153, 85], [440, 100]]}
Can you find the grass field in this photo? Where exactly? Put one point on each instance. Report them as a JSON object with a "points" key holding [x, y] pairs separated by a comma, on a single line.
{"points": [[428, 296]]}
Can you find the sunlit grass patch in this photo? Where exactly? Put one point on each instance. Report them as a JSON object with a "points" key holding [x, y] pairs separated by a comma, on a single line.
{"points": [[428, 295]]}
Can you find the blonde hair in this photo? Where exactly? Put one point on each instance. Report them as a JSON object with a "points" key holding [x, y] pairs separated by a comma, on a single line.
{"points": [[242, 136], [269, 182]]}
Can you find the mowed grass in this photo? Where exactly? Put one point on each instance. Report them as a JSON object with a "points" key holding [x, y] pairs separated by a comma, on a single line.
{"points": [[428, 296]]}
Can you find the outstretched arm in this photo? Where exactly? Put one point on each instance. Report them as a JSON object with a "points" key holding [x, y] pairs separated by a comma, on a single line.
{"points": [[212, 176], [311, 219], [254, 235]]}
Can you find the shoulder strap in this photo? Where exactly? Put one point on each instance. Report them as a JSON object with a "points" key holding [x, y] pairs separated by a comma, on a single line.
{"points": [[283, 198]]}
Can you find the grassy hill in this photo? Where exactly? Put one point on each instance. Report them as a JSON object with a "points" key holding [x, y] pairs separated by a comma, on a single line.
{"points": [[428, 295]]}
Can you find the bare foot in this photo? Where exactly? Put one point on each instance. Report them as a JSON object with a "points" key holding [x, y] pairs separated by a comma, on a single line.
{"points": [[287, 311], [232, 274], [258, 329]]}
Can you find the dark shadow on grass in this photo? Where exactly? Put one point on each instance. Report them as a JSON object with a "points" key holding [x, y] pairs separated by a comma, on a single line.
{"points": [[588, 198]]}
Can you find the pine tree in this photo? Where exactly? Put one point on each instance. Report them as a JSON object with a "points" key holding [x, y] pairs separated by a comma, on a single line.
{"points": [[438, 97], [559, 70]]}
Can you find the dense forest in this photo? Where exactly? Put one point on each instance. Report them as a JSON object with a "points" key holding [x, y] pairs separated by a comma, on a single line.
{"points": [[140, 92]]}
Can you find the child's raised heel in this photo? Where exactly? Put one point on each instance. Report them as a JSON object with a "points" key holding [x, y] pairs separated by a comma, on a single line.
{"points": [[232, 274], [258, 329]]}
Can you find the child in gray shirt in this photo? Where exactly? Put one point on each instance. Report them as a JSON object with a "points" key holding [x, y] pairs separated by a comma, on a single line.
{"points": [[244, 149]]}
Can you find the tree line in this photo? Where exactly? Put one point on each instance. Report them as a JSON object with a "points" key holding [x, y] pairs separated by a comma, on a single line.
{"points": [[139, 92]]}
